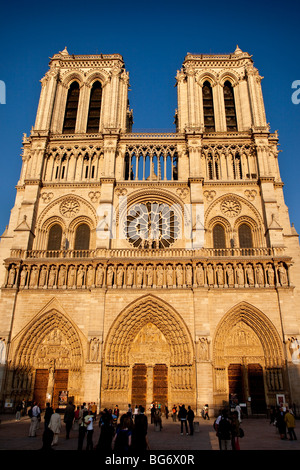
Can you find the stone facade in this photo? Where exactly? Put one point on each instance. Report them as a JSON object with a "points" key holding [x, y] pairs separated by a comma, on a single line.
{"points": [[158, 266]]}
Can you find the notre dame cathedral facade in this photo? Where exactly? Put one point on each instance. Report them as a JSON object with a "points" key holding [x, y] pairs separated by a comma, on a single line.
{"points": [[140, 267]]}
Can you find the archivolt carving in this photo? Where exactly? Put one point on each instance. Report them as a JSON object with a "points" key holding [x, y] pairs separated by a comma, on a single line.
{"points": [[129, 323], [256, 331], [49, 337]]}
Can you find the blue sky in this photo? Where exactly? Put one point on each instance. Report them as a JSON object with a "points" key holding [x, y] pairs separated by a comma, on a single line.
{"points": [[153, 38]]}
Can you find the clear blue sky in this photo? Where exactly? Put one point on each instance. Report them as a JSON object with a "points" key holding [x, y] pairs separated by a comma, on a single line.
{"points": [[153, 38]]}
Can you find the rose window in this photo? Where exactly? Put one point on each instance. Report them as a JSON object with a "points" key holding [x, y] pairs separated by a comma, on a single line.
{"points": [[151, 225]]}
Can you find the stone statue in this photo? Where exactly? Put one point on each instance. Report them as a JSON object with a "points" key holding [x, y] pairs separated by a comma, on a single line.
{"points": [[189, 275], [282, 275], [90, 276], [249, 274], [100, 275], [179, 275], [129, 276]]}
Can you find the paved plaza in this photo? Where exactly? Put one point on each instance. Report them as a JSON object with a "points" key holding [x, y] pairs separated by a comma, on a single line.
{"points": [[259, 435]]}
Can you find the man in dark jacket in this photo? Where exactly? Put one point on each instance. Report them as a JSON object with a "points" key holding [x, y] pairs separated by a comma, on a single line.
{"points": [[182, 415], [69, 418]]}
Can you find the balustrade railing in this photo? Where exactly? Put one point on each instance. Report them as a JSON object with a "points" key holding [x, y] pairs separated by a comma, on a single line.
{"points": [[150, 253]]}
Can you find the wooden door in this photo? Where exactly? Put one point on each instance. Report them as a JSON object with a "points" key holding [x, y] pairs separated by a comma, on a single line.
{"points": [[40, 386], [235, 382], [160, 384], [139, 385], [60, 385], [256, 388]]}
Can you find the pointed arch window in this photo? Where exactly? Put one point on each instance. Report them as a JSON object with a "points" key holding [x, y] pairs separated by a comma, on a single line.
{"points": [[54, 238], [208, 107], [230, 113], [94, 108], [82, 237], [71, 109], [245, 236], [219, 236]]}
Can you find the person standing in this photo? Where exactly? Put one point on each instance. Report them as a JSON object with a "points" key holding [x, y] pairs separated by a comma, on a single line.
{"points": [[82, 426], [48, 414], [106, 433], [35, 417], [235, 431], [18, 411], [190, 418], [166, 411], [140, 432], [224, 432], [69, 418], [174, 413], [89, 430], [55, 426], [290, 422], [182, 415]]}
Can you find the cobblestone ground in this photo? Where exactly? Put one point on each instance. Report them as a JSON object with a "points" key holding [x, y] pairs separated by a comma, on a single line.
{"points": [[259, 435]]}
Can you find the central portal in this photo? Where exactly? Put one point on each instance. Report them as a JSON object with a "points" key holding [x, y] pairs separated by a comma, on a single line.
{"points": [[150, 356], [149, 384]]}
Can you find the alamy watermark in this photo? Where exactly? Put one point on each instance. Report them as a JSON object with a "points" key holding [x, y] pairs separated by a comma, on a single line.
{"points": [[2, 92], [296, 93]]}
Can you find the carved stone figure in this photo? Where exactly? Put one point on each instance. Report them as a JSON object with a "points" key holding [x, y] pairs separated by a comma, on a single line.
{"points": [[43, 276], [120, 275], [160, 275], [270, 275], [170, 276], [129, 275], [139, 275], [259, 275], [110, 275], [282, 275], [71, 276], [199, 275], [189, 275], [210, 275], [11, 276], [230, 275], [220, 275], [62, 277], [179, 275], [100, 276], [90, 276], [149, 273], [240, 276], [52, 276], [250, 275], [80, 276]]}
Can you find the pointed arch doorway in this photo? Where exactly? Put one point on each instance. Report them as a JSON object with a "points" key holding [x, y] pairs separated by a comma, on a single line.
{"points": [[248, 360], [148, 357], [48, 360]]}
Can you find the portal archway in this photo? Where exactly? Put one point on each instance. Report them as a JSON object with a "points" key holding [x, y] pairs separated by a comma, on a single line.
{"points": [[150, 333], [247, 358], [48, 359]]}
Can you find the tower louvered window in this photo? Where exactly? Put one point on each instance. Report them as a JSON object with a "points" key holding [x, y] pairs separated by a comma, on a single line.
{"points": [[219, 236], [245, 236], [208, 108], [94, 108], [54, 238], [230, 113], [82, 237], [71, 109]]}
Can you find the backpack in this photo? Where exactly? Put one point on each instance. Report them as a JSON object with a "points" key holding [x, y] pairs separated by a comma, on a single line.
{"points": [[30, 412], [224, 429]]}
